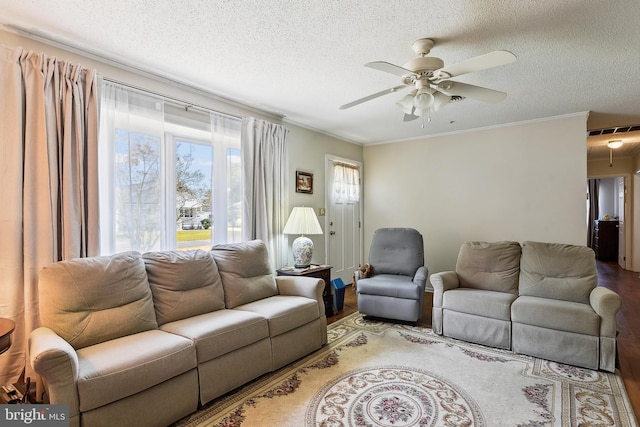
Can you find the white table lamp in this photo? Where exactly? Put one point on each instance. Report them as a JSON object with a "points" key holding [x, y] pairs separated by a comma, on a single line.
{"points": [[302, 221]]}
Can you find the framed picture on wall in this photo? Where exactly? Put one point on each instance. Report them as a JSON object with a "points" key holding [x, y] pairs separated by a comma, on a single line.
{"points": [[304, 182]]}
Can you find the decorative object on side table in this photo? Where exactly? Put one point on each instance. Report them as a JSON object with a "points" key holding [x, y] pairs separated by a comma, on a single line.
{"points": [[302, 221], [318, 271]]}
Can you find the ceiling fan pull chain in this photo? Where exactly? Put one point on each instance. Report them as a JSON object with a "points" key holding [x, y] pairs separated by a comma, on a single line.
{"points": [[428, 114]]}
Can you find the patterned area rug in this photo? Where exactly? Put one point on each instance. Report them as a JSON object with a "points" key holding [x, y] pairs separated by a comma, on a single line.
{"points": [[383, 374]]}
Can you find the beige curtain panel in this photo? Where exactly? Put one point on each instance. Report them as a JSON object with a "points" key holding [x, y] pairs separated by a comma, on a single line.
{"points": [[49, 191], [265, 166]]}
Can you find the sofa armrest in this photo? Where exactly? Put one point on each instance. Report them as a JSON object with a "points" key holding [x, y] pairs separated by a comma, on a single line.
{"points": [[309, 287], [57, 363], [420, 278], [441, 283], [606, 304]]}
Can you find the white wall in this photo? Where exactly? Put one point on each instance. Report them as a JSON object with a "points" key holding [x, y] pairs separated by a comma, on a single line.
{"points": [[607, 198], [518, 182]]}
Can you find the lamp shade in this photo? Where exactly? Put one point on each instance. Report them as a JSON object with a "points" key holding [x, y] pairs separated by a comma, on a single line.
{"points": [[302, 221]]}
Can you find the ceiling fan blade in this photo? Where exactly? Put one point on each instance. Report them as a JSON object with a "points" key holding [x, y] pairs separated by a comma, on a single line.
{"points": [[372, 96], [466, 90], [482, 62], [388, 67]]}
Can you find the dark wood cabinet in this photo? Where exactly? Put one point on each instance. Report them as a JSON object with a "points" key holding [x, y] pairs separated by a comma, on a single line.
{"points": [[319, 272], [605, 240]]}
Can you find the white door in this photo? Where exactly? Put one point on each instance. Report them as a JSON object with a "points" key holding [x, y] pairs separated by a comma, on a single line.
{"points": [[343, 223], [621, 191]]}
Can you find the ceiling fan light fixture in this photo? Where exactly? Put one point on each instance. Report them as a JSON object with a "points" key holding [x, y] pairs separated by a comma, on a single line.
{"points": [[440, 100], [423, 99], [429, 78], [406, 103], [616, 143]]}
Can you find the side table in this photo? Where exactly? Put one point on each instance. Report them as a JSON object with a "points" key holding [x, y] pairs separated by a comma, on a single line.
{"points": [[6, 328], [320, 272]]}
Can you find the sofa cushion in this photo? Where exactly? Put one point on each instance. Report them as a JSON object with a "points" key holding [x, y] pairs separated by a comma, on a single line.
{"points": [[220, 332], [557, 271], [396, 251], [246, 272], [183, 284], [492, 266], [92, 300], [556, 314], [284, 313], [390, 285], [115, 369], [496, 305]]}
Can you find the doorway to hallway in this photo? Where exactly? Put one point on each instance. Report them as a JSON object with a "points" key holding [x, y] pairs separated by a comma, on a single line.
{"points": [[607, 211]]}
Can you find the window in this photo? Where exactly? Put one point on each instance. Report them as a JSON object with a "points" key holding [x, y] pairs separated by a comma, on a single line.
{"points": [[169, 178]]}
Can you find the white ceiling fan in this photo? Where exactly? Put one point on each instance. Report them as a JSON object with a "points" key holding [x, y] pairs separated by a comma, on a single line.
{"points": [[430, 80]]}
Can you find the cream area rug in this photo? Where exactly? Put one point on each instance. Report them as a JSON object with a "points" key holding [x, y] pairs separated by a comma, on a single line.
{"points": [[379, 374]]}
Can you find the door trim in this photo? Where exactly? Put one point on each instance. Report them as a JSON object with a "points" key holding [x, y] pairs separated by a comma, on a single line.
{"points": [[628, 244]]}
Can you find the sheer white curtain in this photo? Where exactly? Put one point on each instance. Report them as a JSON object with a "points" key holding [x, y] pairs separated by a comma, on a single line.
{"points": [[131, 193], [49, 191], [346, 183], [265, 186], [225, 131]]}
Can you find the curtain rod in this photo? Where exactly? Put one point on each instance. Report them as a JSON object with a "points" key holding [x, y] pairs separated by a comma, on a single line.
{"points": [[179, 102], [346, 165]]}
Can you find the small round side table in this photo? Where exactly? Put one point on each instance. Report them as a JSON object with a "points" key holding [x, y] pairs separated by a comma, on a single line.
{"points": [[6, 328]]}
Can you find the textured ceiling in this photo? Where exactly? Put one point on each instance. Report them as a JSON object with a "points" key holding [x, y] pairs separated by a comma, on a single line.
{"points": [[303, 59]]}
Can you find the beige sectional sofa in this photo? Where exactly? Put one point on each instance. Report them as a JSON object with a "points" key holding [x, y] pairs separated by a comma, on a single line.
{"points": [[143, 339], [539, 299]]}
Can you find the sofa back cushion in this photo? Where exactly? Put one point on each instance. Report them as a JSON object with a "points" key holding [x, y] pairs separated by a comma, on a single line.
{"points": [[92, 300], [246, 272], [558, 271], [491, 266], [396, 251], [183, 283]]}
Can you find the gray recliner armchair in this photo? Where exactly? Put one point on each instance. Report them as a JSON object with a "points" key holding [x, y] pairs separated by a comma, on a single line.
{"points": [[396, 288]]}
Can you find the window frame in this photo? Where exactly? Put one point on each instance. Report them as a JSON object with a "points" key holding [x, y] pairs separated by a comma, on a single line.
{"points": [[176, 124]]}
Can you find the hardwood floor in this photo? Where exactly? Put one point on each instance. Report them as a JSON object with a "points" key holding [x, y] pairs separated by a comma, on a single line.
{"points": [[625, 283]]}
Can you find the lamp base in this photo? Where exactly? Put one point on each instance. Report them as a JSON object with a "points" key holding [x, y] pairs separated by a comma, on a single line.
{"points": [[302, 249]]}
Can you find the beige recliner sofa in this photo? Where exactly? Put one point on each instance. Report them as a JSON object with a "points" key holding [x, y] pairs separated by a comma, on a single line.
{"points": [[539, 299], [142, 339]]}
